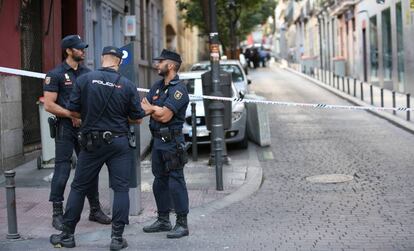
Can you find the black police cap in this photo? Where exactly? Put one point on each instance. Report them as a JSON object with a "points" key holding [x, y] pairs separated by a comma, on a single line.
{"points": [[112, 50], [73, 41], [166, 54]]}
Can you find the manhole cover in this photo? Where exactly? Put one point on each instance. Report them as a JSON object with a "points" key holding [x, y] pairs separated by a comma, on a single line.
{"points": [[330, 178]]}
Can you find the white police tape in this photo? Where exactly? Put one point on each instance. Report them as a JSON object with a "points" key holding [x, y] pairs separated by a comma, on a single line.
{"points": [[266, 102], [22, 72], [307, 105]]}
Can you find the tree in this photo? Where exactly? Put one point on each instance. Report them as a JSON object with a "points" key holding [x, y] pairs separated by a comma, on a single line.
{"points": [[237, 17]]}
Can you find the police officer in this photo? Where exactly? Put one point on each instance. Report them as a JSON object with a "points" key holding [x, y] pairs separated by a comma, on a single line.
{"points": [[107, 103], [57, 88], [167, 102]]}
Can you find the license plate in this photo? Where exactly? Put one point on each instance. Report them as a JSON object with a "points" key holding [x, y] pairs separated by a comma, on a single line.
{"points": [[201, 132]]}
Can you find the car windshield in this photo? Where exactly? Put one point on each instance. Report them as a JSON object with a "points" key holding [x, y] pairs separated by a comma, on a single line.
{"points": [[234, 70], [189, 83]]}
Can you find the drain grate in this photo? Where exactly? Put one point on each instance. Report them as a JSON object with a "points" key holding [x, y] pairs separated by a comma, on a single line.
{"points": [[329, 178]]}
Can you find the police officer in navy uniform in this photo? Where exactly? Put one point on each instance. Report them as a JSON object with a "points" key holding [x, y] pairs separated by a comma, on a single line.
{"points": [[58, 85], [107, 103], [167, 102]]}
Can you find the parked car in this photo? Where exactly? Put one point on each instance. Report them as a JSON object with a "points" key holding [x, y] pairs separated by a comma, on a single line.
{"points": [[238, 131], [233, 67]]}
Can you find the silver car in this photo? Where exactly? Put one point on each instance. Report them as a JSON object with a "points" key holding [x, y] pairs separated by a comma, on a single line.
{"points": [[233, 67], [236, 134]]}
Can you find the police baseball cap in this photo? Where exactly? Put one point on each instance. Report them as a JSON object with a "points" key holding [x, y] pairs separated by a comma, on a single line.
{"points": [[166, 54], [112, 50], [73, 41]]}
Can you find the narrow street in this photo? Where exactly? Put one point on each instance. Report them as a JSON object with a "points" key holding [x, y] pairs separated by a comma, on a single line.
{"points": [[374, 211]]}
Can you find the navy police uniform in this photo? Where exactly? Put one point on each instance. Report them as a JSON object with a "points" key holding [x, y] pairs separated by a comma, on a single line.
{"points": [[105, 105], [169, 182], [61, 80]]}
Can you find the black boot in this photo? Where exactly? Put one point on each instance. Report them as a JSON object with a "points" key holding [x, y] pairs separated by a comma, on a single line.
{"points": [[57, 216], [160, 225], [96, 213], [117, 242], [180, 229], [65, 239]]}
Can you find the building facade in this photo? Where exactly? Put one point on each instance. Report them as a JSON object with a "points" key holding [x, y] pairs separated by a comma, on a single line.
{"points": [[34, 30], [368, 40]]}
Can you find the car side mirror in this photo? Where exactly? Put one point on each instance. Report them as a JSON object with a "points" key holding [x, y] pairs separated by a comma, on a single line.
{"points": [[249, 81]]}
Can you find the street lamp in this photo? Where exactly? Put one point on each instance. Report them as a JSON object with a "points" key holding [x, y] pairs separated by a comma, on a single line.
{"points": [[216, 107]]}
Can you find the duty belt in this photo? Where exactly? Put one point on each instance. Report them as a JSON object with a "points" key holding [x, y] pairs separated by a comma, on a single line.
{"points": [[172, 133], [94, 139]]}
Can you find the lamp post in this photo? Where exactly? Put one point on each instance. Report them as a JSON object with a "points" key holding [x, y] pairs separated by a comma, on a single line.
{"points": [[216, 107]]}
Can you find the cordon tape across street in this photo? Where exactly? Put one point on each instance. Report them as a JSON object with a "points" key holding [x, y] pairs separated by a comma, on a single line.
{"points": [[266, 102]]}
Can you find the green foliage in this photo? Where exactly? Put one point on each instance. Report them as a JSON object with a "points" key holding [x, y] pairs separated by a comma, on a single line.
{"points": [[244, 16]]}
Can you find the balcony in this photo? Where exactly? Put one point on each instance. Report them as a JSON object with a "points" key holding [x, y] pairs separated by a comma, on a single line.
{"points": [[340, 6]]}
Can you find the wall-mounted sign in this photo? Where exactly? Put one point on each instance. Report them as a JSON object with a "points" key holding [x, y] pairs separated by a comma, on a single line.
{"points": [[130, 26]]}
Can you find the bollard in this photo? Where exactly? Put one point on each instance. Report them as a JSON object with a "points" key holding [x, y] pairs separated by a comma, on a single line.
{"points": [[408, 106], [382, 97], [343, 83], [337, 82], [11, 205], [362, 91], [371, 92], [329, 78], [347, 82], [355, 87], [219, 165], [194, 131], [393, 102]]}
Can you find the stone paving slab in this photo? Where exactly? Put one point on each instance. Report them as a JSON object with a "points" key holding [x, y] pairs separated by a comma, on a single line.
{"points": [[34, 210]]}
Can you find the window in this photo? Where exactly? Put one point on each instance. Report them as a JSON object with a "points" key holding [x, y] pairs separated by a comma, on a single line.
{"points": [[400, 47], [386, 44], [189, 83], [234, 70], [373, 39]]}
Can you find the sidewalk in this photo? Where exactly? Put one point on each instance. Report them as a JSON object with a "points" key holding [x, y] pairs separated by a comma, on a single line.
{"points": [[340, 88], [241, 178]]}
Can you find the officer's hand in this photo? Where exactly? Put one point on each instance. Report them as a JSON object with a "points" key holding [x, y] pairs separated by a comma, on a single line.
{"points": [[76, 122], [146, 106]]}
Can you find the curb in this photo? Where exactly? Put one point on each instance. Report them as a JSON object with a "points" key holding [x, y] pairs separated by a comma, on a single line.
{"points": [[254, 176], [401, 123]]}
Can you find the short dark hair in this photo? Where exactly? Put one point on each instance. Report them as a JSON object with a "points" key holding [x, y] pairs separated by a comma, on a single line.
{"points": [[176, 65], [64, 53]]}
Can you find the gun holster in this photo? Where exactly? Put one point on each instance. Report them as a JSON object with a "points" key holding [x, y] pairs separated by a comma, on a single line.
{"points": [[131, 137], [175, 160], [52, 121]]}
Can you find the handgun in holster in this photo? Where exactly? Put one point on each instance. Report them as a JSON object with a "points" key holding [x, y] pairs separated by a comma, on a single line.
{"points": [[131, 137], [182, 153], [52, 121]]}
